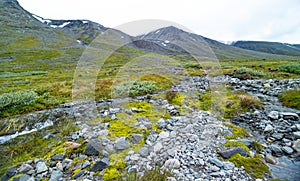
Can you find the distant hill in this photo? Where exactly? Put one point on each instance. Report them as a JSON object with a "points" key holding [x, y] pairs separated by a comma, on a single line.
{"points": [[270, 47]]}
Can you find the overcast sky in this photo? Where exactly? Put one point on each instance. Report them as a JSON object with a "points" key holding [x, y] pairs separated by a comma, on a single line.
{"points": [[226, 20]]}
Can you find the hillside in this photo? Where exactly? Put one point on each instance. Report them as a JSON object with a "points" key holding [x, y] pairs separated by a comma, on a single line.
{"points": [[269, 47]]}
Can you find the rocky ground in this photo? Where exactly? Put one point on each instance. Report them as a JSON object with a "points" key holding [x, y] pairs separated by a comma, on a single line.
{"points": [[189, 143]]}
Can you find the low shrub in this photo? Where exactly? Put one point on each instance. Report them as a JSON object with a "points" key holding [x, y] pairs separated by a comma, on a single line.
{"points": [[20, 98], [135, 88], [290, 98], [290, 68], [244, 70]]}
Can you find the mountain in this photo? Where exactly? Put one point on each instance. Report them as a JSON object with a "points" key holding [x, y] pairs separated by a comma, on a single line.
{"points": [[269, 47], [169, 34]]}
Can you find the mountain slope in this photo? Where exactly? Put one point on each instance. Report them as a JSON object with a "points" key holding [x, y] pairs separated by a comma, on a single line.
{"points": [[269, 47], [222, 51]]}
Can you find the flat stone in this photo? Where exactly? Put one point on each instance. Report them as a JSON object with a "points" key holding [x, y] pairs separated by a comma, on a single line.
{"points": [[215, 161], [296, 145], [273, 115], [136, 138], [268, 128], [41, 167], [289, 115], [144, 152], [172, 164], [157, 147], [277, 136], [98, 166], [56, 175], [121, 143], [93, 147], [79, 174], [232, 151], [276, 150], [287, 150], [59, 157], [24, 168]]}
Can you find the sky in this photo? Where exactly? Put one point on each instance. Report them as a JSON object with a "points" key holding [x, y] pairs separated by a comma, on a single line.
{"points": [[222, 20]]}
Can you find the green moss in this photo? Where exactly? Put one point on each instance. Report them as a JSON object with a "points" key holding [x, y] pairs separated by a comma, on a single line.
{"points": [[237, 132], [111, 174], [254, 166], [118, 128], [237, 144], [290, 99], [258, 146]]}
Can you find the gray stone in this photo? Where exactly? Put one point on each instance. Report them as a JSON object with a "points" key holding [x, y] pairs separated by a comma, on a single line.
{"points": [[109, 148], [276, 150], [287, 150], [273, 115], [121, 143], [11, 172], [133, 169], [232, 151], [56, 175], [79, 174], [277, 136], [136, 138], [172, 164], [93, 147], [157, 147], [59, 157], [113, 117], [98, 166], [129, 112], [24, 168], [41, 167], [59, 166], [164, 135], [296, 145], [215, 161], [26, 178], [268, 128], [296, 134], [144, 152], [161, 123], [228, 165], [289, 115]]}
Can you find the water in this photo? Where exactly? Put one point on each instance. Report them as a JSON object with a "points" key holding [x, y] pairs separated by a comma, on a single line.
{"points": [[286, 169]]}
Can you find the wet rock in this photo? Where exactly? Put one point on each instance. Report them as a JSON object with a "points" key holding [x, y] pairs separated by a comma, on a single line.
{"points": [[121, 143], [215, 161], [232, 151], [56, 175], [73, 145], [98, 166], [277, 136], [93, 147], [276, 150], [172, 164], [287, 150], [41, 167], [136, 138], [79, 174], [296, 134], [296, 145], [289, 115]]}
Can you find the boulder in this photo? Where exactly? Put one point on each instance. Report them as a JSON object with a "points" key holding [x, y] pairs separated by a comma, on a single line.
{"points": [[232, 151], [93, 147], [121, 143]]}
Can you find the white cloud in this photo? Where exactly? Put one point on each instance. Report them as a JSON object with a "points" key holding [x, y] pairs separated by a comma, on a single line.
{"points": [[270, 20]]}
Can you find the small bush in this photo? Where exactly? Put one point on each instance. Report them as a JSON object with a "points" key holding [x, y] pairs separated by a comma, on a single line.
{"points": [[135, 88], [20, 98], [290, 99], [290, 68], [252, 72], [247, 101]]}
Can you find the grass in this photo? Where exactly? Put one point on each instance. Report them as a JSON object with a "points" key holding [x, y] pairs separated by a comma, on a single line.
{"points": [[237, 132], [255, 73], [156, 174], [290, 98], [290, 68]]}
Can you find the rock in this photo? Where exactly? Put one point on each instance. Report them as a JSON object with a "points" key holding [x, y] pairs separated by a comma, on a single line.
{"points": [[109, 148], [129, 112], [56, 175], [136, 138], [232, 151], [215, 161], [113, 117], [11, 172], [164, 135], [161, 123], [144, 152], [172, 164], [59, 166], [276, 150], [98, 166], [277, 136], [121, 143], [85, 164], [24, 168], [296, 134], [133, 169], [287, 150], [25, 178], [289, 115], [228, 165], [273, 115], [41, 167], [157, 147], [79, 174], [93, 147], [270, 159], [135, 110], [59, 157], [73, 145], [296, 145], [268, 128]]}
